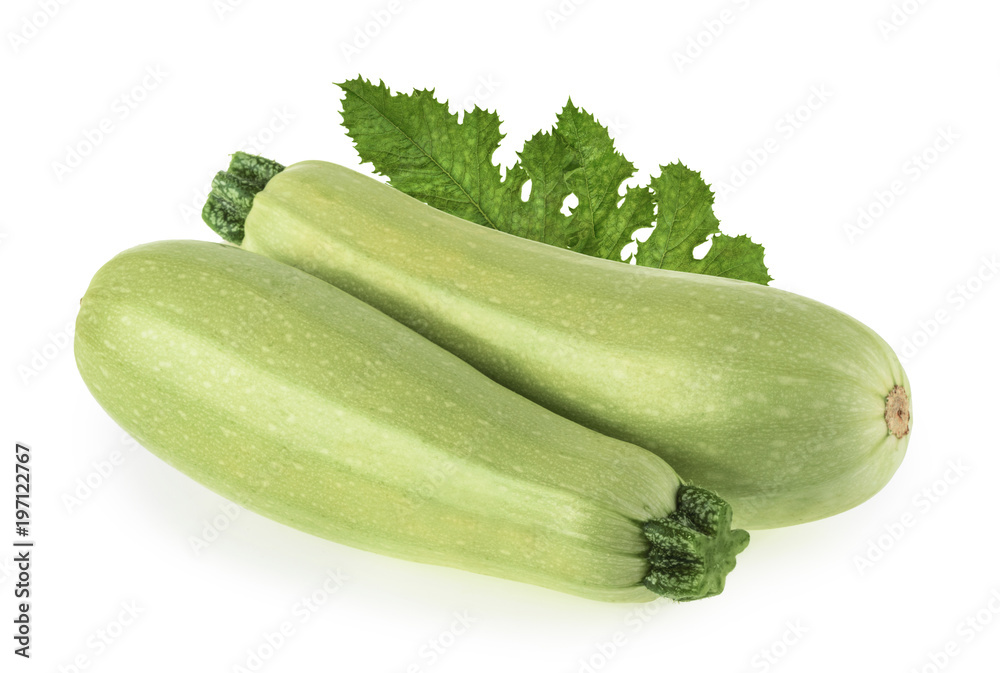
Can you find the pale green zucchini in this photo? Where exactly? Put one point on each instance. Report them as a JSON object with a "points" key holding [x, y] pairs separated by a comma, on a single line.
{"points": [[300, 402], [787, 408]]}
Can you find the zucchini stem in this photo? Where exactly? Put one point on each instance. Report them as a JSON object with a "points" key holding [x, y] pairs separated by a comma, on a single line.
{"points": [[229, 202], [693, 548], [897, 412]]}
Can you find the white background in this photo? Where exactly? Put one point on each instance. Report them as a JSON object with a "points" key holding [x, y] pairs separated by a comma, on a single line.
{"points": [[259, 75]]}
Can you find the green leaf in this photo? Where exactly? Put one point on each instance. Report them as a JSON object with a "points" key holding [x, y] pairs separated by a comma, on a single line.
{"points": [[603, 227], [685, 220], [426, 153]]}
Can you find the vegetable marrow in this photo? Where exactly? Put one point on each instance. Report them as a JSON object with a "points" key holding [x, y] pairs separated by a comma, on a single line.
{"points": [[788, 409], [300, 402]]}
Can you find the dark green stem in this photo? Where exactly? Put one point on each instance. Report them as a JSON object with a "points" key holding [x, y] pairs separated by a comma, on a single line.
{"points": [[694, 548], [232, 194]]}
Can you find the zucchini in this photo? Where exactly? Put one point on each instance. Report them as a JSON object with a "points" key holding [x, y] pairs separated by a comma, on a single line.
{"points": [[304, 404], [788, 409]]}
